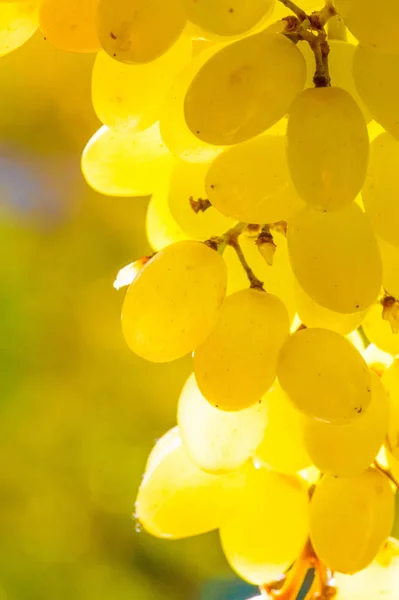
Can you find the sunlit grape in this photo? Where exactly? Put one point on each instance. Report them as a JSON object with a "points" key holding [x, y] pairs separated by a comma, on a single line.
{"points": [[70, 24], [18, 22]]}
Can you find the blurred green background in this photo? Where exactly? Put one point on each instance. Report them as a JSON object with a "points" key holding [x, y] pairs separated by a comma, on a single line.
{"points": [[79, 412]]}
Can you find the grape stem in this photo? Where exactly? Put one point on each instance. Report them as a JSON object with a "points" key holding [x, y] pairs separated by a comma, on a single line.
{"points": [[199, 204], [255, 283], [295, 9], [386, 472]]}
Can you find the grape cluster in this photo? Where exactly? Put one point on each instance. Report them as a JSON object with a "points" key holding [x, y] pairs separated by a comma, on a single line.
{"points": [[267, 135]]}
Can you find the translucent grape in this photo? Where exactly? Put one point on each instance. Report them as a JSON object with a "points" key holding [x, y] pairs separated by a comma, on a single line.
{"points": [[176, 499], [335, 258], [390, 272], [380, 190], [269, 526], [347, 450], [379, 580], [18, 22], [138, 31], [226, 17], [187, 180], [379, 91], [324, 375], [70, 24], [174, 129], [327, 147], [278, 278], [340, 66], [237, 363], [243, 89], [173, 304], [218, 441], [134, 94], [390, 379], [282, 447], [372, 26], [379, 331], [117, 162], [251, 182], [161, 228], [314, 315], [350, 518]]}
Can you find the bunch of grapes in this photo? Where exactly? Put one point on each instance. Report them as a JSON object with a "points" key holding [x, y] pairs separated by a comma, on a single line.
{"points": [[267, 135]]}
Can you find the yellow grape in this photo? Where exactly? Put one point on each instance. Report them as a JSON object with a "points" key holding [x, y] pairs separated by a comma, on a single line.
{"points": [[380, 190], [348, 449], [138, 31], [269, 526], [134, 94], [350, 519], [282, 447], [313, 315], [379, 91], [70, 24], [335, 258], [161, 228], [379, 331], [390, 379], [173, 304], [278, 278], [340, 63], [217, 441], [176, 499], [390, 271], [244, 88], [187, 180], [174, 129], [324, 375], [372, 26], [251, 182], [18, 22], [226, 17], [237, 363], [378, 581], [119, 162], [327, 147]]}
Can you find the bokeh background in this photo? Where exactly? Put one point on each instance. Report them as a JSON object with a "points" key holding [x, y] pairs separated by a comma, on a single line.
{"points": [[79, 412]]}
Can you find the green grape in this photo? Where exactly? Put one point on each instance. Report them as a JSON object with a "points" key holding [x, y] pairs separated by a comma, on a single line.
{"points": [[244, 88], [176, 499], [282, 447], [251, 182], [379, 331], [161, 228], [269, 527], [217, 441], [173, 304], [117, 162], [390, 272], [379, 191], [390, 379], [348, 449], [139, 31], [314, 315], [340, 63], [372, 72], [350, 519], [278, 278], [134, 94], [226, 17], [372, 26], [187, 180], [70, 24], [378, 581], [327, 147], [335, 258], [174, 129], [18, 22], [237, 363], [324, 375]]}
